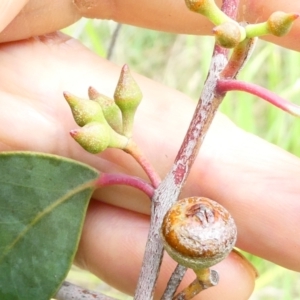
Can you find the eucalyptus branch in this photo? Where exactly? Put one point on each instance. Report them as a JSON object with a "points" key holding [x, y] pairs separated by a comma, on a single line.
{"points": [[69, 291], [224, 86], [168, 191], [174, 282], [106, 179]]}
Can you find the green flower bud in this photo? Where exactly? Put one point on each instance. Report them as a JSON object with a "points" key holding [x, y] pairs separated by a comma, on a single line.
{"points": [[127, 97], [209, 9], [84, 111], [110, 110], [280, 23], [93, 137], [229, 34]]}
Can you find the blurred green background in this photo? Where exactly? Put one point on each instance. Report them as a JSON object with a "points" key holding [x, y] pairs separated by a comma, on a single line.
{"points": [[182, 62]]}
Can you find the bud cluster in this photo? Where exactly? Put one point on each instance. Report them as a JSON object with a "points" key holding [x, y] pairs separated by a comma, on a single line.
{"points": [[229, 33], [105, 122]]}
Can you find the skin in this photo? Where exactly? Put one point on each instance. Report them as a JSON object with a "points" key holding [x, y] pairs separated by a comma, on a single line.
{"points": [[256, 181]]}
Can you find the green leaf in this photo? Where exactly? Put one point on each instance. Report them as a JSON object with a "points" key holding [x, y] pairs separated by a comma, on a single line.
{"points": [[43, 200]]}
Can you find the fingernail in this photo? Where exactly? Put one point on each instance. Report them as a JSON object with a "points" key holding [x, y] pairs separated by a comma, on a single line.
{"points": [[246, 263], [8, 10]]}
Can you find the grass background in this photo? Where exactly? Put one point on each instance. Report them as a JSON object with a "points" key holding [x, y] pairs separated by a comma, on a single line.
{"points": [[182, 62]]}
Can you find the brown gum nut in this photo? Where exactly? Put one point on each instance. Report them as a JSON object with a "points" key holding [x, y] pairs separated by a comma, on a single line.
{"points": [[198, 232]]}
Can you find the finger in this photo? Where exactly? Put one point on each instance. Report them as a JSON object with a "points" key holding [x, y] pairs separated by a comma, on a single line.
{"points": [[40, 17], [171, 16], [260, 185], [112, 247], [8, 10]]}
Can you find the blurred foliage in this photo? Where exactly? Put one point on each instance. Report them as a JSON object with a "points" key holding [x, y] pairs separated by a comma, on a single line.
{"points": [[182, 62]]}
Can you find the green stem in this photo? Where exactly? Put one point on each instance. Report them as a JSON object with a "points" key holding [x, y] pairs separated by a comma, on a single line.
{"points": [[253, 30], [217, 16]]}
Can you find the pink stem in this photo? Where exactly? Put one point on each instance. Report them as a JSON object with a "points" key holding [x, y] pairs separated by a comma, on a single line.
{"points": [[226, 85], [106, 179], [138, 155]]}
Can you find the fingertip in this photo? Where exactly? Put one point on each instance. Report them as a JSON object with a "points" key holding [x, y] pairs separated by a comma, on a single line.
{"points": [[25, 18], [8, 10]]}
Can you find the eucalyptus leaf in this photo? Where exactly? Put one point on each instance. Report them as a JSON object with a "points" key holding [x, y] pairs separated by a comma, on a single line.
{"points": [[43, 201]]}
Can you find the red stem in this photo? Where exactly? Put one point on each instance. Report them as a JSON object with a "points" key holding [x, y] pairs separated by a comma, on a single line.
{"points": [[106, 179], [226, 85]]}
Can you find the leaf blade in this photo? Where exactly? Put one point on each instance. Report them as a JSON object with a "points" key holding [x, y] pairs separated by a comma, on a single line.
{"points": [[43, 199]]}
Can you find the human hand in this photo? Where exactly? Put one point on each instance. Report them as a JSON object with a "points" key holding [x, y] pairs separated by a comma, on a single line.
{"points": [[34, 74]]}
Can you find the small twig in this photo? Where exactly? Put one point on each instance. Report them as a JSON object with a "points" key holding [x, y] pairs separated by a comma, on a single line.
{"points": [[207, 278], [133, 149], [174, 282], [69, 291], [106, 179], [224, 86], [113, 41], [240, 55]]}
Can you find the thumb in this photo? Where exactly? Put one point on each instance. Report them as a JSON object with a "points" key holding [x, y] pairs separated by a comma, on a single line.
{"points": [[8, 10]]}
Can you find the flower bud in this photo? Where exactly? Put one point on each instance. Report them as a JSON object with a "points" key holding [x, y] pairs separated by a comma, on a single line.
{"points": [[84, 111], [199, 6], [110, 110], [93, 137], [280, 23], [209, 9], [127, 97], [229, 34]]}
